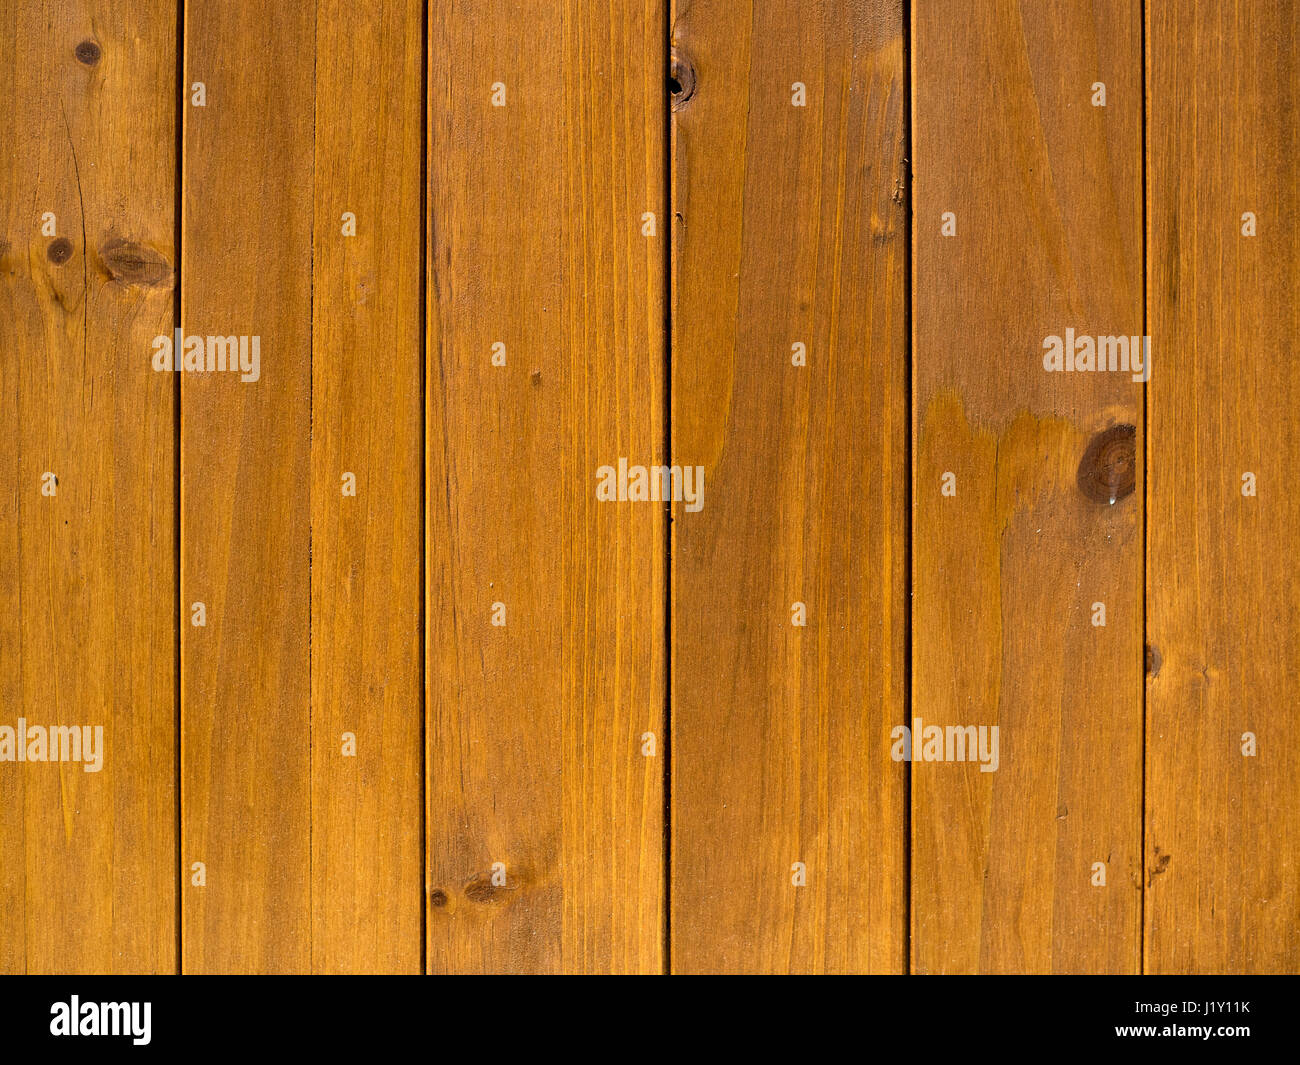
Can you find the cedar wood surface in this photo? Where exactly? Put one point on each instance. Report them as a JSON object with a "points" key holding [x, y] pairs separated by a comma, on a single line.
{"points": [[621, 775]]}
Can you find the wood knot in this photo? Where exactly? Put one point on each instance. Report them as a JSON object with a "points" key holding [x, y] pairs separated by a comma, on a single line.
{"points": [[87, 52], [134, 264], [1152, 661], [438, 898], [59, 251], [481, 889], [681, 79], [1108, 470], [1159, 864]]}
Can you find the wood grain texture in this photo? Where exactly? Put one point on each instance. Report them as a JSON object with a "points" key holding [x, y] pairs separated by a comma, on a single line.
{"points": [[534, 726], [1046, 190], [789, 227], [367, 595], [649, 232], [1223, 829], [87, 575], [245, 500]]}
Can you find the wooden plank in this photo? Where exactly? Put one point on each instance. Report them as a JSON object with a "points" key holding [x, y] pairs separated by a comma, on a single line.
{"points": [[1223, 827], [367, 843], [245, 502], [87, 572], [789, 228], [1045, 190], [535, 726]]}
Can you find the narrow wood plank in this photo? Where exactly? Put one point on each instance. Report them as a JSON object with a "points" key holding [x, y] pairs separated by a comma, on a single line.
{"points": [[535, 723], [87, 572], [367, 843], [1223, 826], [1044, 189], [789, 228], [245, 502]]}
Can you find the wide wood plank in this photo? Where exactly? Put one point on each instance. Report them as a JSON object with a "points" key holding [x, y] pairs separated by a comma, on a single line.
{"points": [[1040, 191], [1223, 739], [87, 522], [245, 502], [366, 468], [545, 664], [789, 229]]}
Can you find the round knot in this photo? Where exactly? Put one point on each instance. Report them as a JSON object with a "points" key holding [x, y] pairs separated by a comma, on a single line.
{"points": [[1108, 470]]}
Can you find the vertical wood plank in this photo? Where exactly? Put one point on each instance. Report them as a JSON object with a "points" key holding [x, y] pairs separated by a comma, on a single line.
{"points": [[367, 845], [1045, 190], [1223, 827], [789, 228], [245, 502], [535, 725], [87, 575]]}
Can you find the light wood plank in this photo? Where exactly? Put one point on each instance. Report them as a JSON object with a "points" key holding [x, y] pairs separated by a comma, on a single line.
{"points": [[1223, 828], [87, 575], [789, 227], [534, 727], [245, 502], [1046, 193], [367, 845]]}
